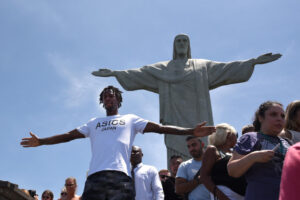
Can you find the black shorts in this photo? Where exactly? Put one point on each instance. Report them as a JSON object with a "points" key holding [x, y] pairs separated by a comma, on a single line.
{"points": [[108, 185]]}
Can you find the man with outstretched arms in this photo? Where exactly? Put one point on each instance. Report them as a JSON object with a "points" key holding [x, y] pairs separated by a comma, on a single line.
{"points": [[109, 175]]}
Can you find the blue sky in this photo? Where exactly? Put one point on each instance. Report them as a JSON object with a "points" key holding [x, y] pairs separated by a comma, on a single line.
{"points": [[49, 48]]}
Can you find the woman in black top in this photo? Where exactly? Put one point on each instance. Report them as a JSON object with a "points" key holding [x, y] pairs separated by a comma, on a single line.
{"points": [[214, 165]]}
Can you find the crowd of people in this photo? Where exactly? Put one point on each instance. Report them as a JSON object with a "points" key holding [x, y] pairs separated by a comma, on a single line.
{"points": [[252, 166], [68, 192]]}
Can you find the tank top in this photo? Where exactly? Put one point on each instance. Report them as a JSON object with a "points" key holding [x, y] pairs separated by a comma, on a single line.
{"points": [[220, 176]]}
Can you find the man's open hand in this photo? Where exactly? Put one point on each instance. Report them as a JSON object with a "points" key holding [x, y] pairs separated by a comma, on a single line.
{"points": [[202, 131], [32, 141]]}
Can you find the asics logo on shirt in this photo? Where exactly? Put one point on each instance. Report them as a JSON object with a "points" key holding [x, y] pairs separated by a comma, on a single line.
{"points": [[113, 122]]}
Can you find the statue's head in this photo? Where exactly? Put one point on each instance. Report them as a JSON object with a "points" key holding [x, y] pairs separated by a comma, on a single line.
{"points": [[181, 46]]}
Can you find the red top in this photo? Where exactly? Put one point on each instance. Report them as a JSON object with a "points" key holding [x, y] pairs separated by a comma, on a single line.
{"points": [[290, 179]]}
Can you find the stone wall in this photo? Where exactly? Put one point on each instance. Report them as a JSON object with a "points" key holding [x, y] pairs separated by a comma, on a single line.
{"points": [[10, 191]]}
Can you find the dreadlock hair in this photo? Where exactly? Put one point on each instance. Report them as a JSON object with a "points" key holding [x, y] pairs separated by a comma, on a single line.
{"points": [[261, 112], [116, 92]]}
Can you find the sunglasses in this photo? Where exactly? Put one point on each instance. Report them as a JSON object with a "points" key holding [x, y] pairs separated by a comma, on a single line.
{"points": [[69, 185], [46, 197], [164, 176]]}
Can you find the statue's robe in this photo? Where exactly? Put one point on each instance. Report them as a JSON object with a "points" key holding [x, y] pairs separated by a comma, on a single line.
{"points": [[183, 90]]}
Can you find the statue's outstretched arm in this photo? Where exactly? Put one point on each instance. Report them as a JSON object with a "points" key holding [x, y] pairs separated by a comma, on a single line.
{"points": [[132, 79], [266, 58], [104, 72]]}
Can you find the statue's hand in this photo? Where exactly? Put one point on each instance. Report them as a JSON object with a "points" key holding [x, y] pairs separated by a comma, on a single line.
{"points": [[103, 72], [265, 58]]}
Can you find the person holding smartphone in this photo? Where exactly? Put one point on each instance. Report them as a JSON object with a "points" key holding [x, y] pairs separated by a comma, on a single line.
{"points": [[260, 155]]}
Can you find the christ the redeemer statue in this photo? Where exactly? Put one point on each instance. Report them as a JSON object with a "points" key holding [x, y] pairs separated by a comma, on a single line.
{"points": [[183, 86]]}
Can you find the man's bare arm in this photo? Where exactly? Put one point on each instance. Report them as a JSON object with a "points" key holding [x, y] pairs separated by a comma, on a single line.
{"points": [[209, 159], [183, 186], [200, 130], [34, 141]]}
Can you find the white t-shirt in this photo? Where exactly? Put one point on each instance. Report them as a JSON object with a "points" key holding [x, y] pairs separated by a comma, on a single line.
{"points": [[111, 141]]}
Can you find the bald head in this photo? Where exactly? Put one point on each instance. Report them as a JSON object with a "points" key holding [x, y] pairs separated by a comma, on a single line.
{"points": [[136, 155]]}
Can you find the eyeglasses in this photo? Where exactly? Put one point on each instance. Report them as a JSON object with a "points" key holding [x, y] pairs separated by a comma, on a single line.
{"points": [[63, 193], [46, 197]]}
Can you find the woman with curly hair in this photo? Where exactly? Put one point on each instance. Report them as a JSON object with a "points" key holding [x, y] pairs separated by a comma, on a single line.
{"points": [[260, 155]]}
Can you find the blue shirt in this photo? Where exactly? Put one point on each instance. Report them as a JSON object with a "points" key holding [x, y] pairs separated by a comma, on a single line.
{"points": [[188, 170]]}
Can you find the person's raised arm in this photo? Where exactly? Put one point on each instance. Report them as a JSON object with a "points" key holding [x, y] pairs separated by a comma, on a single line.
{"points": [[200, 130], [34, 141], [103, 72], [239, 164], [208, 161]]}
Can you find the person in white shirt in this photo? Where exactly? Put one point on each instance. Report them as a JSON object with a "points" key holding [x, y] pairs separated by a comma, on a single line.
{"points": [[145, 177], [109, 174]]}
